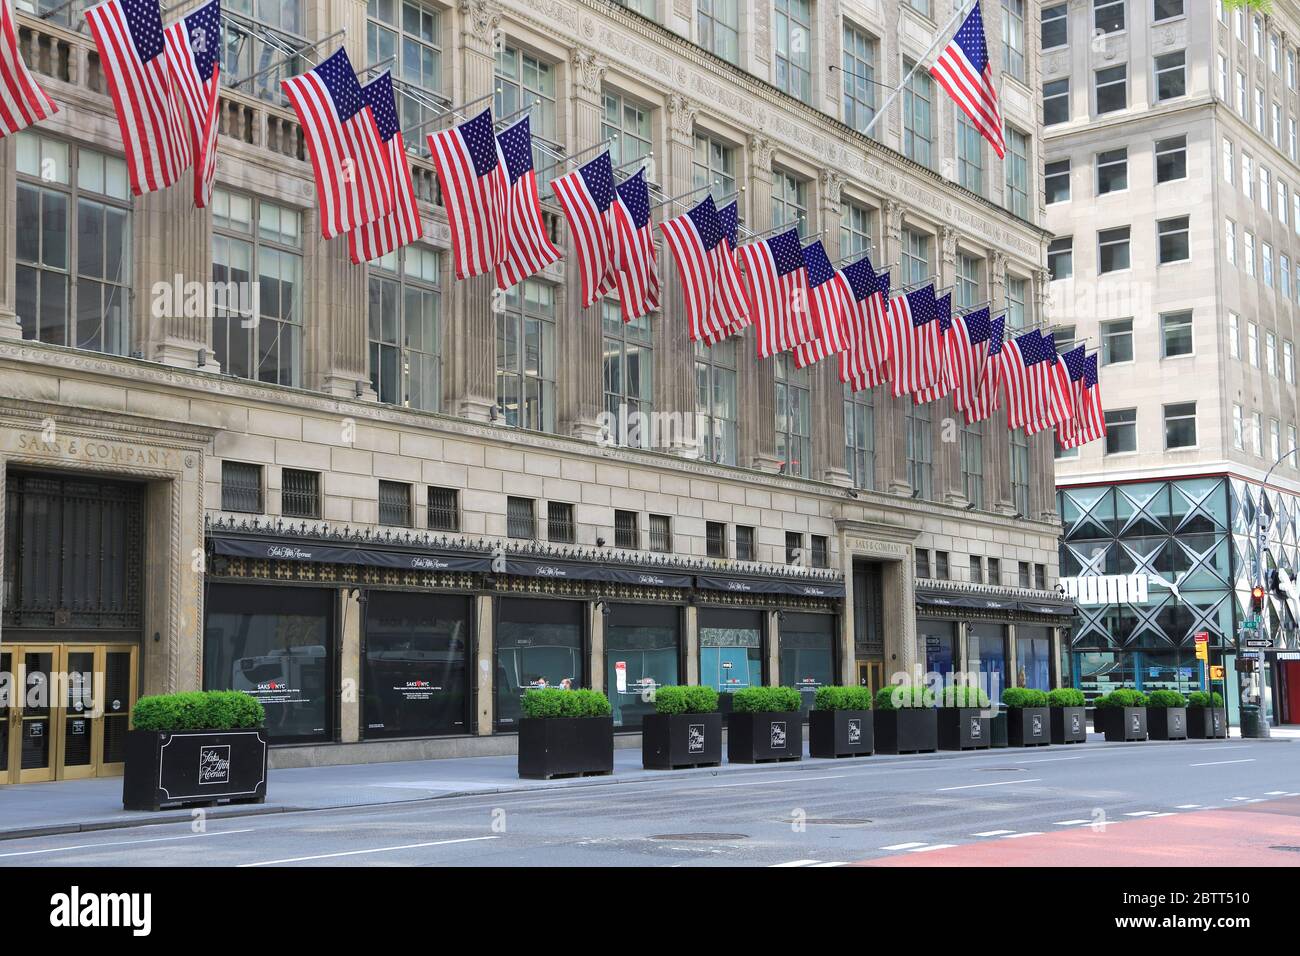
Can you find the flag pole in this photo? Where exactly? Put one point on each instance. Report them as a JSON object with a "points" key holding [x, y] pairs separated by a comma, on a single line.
{"points": [[289, 56], [689, 192], [447, 110]]}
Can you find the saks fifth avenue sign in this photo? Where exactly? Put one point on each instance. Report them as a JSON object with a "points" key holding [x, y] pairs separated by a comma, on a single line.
{"points": [[1090, 590]]}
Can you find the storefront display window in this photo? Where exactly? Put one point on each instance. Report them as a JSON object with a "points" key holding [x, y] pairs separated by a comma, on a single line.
{"points": [[731, 649], [937, 646], [1100, 672], [986, 654], [277, 644], [415, 677], [1170, 670], [807, 653], [642, 651], [538, 644], [1033, 657]]}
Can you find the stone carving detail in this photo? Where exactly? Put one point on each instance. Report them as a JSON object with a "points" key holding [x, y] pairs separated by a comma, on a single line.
{"points": [[761, 151], [762, 34], [681, 114], [588, 69], [949, 237], [480, 19], [998, 273], [832, 186], [894, 219]]}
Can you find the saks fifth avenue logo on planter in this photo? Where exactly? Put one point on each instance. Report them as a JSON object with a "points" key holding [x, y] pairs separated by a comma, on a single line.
{"points": [[1178, 721], [284, 551], [1137, 723], [214, 764], [778, 735], [1037, 720], [976, 729], [1075, 723], [855, 730], [695, 738]]}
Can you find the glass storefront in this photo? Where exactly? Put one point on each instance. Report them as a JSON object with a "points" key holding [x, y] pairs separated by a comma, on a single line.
{"points": [[1100, 672], [538, 644], [415, 675], [986, 654], [731, 648], [642, 653], [807, 653], [1033, 657], [277, 644], [936, 646]]}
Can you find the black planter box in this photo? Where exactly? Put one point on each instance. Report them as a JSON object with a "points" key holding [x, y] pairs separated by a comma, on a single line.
{"points": [[1123, 723], [1207, 723], [767, 735], [1167, 723], [191, 767], [565, 747], [669, 741], [840, 733], [1029, 727], [1069, 725], [910, 730], [1000, 728], [965, 728]]}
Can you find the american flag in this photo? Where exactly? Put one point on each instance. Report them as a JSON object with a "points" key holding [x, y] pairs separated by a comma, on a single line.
{"points": [[776, 287], [587, 195], [354, 185], [865, 363], [22, 101], [966, 72], [635, 254], [914, 341], [943, 385], [472, 177], [193, 59], [402, 225], [729, 305], [987, 394], [827, 304], [1050, 382], [1089, 421], [133, 55], [967, 352], [692, 238], [1020, 379], [528, 249]]}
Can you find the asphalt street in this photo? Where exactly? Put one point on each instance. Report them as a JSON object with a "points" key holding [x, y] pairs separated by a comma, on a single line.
{"points": [[810, 814]]}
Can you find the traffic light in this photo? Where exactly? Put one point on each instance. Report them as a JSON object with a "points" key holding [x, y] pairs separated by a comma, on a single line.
{"points": [[1256, 599]]}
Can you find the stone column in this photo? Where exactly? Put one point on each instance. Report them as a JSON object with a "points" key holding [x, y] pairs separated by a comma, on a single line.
{"points": [[174, 243], [891, 430], [997, 441], [756, 389], [949, 475], [675, 369], [827, 390], [9, 327], [848, 647], [691, 645], [899, 618], [353, 618], [596, 663], [486, 666], [1012, 668], [773, 648]]}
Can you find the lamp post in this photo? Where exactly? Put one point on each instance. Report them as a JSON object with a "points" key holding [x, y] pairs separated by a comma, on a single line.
{"points": [[1261, 533]]}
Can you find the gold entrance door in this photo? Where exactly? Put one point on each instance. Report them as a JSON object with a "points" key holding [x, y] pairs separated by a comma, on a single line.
{"points": [[33, 731], [871, 674]]}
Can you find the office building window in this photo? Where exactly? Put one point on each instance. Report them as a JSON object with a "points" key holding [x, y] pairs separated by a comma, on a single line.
{"points": [[1288, 363], [409, 34], [661, 533], [972, 464], [299, 493], [857, 226], [628, 376], [1040, 577], [794, 48], [1117, 342], [525, 356], [1234, 335], [793, 417], [860, 437], [918, 106], [1248, 250], [253, 43], [715, 165], [1111, 89], [859, 69], [970, 155], [719, 22], [626, 533], [1230, 241], [1112, 171], [1057, 181], [404, 328], [915, 260], [241, 487], [920, 469], [1171, 76], [1017, 172], [1020, 472], [1174, 239], [1180, 425], [1017, 293], [1274, 439], [976, 569], [1108, 15], [627, 125], [715, 539], [1270, 353], [1054, 26], [1060, 257], [1176, 333], [1229, 164], [1056, 101], [523, 78], [789, 200], [1266, 259], [395, 504], [443, 509], [821, 551], [794, 548], [1113, 249], [1171, 159], [1257, 433], [1252, 343], [715, 401], [560, 527], [969, 281], [521, 520], [1013, 37], [995, 571], [922, 563], [745, 543], [941, 565], [1023, 579], [1121, 431]]}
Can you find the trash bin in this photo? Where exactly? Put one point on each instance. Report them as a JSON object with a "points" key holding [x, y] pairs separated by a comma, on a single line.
{"points": [[999, 732], [1252, 724]]}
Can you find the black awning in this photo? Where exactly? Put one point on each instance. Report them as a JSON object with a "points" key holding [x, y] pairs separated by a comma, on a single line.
{"points": [[573, 571], [772, 585], [981, 602], [279, 549]]}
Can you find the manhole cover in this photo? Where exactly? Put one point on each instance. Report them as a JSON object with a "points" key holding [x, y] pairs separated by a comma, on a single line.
{"points": [[705, 837]]}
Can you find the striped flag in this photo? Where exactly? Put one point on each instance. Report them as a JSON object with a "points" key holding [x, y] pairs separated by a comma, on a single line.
{"points": [[966, 72], [729, 306], [692, 238], [472, 177], [587, 195], [193, 60], [776, 288], [987, 394], [1089, 421], [967, 352], [528, 249], [865, 363], [354, 185], [634, 247], [1017, 359], [133, 55], [1050, 381], [22, 101], [943, 316], [913, 341], [402, 225], [827, 303]]}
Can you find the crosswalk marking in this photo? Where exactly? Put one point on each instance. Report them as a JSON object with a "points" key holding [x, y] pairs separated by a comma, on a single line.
{"points": [[1017, 836], [1141, 813], [811, 864], [1070, 823], [902, 846], [993, 833], [935, 846]]}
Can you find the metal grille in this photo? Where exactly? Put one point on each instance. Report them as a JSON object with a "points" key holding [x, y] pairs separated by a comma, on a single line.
{"points": [[716, 539], [395, 504], [625, 530], [519, 518], [299, 494], [444, 510], [73, 554], [661, 533], [820, 551], [995, 571], [793, 547], [559, 522], [1023, 576], [744, 543], [241, 487]]}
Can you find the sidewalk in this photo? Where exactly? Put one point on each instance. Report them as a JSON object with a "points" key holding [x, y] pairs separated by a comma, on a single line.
{"points": [[42, 809]]}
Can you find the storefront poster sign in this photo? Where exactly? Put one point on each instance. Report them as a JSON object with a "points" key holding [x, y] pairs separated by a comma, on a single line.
{"points": [[620, 676]]}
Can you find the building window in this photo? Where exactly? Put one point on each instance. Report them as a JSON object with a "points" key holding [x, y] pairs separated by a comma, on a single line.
{"points": [[859, 67], [1174, 239], [1265, 188], [1020, 472], [719, 22], [443, 509], [1242, 109], [409, 34], [1257, 433], [1257, 36], [1229, 165], [1060, 257], [1112, 89], [405, 333], [521, 79], [1121, 431], [72, 243], [1249, 252], [1056, 101], [1171, 76], [976, 569], [1055, 26], [972, 464], [1113, 249], [969, 280], [254, 42], [1117, 342], [970, 155], [995, 571], [860, 437], [1108, 15], [241, 487], [941, 565], [1176, 333], [821, 551], [918, 105], [715, 539], [1267, 259], [789, 200], [1013, 37], [526, 356], [1270, 353], [1040, 577], [1230, 241], [794, 548], [1223, 78], [1180, 425], [395, 504], [1112, 171], [1171, 159], [1017, 296], [1288, 363], [1057, 181], [922, 563], [520, 521], [915, 260], [1017, 169], [628, 376], [1274, 439], [744, 543], [794, 48], [1234, 335], [715, 401], [715, 165], [1283, 201], [627, 125], [1022, 574], [1252, 343], [1259, 108], [920, 469], [857, 226], [793, 418], [559, 522], [661, 533], [299, 493], [626, 533]]}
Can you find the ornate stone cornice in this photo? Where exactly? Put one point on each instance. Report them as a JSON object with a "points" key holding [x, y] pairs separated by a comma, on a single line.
{"points": [[588, 69], [480, 19], [949, 237], [761, 151], [894, 210], [832, 182], [681, 114]]}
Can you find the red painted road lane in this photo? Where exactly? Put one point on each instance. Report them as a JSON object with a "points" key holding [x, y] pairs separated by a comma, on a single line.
{"points": [[1234, 836]]}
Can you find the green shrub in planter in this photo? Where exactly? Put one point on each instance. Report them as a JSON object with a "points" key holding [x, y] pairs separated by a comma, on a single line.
{"points": [[555, 702], [1199, 698], [1065, 697], [762, 700], [1124, 697], [1018, 698], [701, 700], [1166, 698], [961, 695], [843, 698], [198, 710], [680, 699], [904, 697]]}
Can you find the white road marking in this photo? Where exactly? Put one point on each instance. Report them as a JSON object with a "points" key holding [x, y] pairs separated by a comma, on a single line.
{"points": [[96, 846], [378, 849], [1218, 763], [1275, 793], [1188, 806], [1070, 823], [795, 863], [903, 846], [1017, 836], [1167, 813], [993, 833], [838, 863], [935, 846], [1000, 783], [1141, 813]]}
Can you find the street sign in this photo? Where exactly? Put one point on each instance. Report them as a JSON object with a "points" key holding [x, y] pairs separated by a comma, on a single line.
{"points": [[1250, 624], [1260, 642], [1202, 651], [1248, 655]]}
